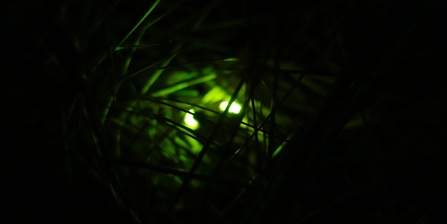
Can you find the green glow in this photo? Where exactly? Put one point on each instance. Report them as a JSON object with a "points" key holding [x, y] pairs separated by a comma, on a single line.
{"points": [[231, 59], [190, 121], [184, 84], [215, 95], [234, 108], [355, 123], [195, 146], [139, 23]]}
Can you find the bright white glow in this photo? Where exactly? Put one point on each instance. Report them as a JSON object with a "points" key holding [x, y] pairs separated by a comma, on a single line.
{"points": [[234, 108], [190, 121]]}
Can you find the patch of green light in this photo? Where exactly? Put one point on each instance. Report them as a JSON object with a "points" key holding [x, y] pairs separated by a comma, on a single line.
{"points": [[180, 76], [231, 59], [183, 85], [195, 146], [355, 123], [234, 108], [215, 95], [178, 179], [180, 142], [190, 121], [283, 144]]}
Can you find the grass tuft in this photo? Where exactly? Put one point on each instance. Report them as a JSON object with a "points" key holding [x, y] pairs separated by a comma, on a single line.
{"points": [[223, 112]]}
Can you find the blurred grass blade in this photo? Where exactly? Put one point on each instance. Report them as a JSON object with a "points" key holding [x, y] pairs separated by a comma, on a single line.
{"points": [[183, 85], [138, 24], [158, 72]]}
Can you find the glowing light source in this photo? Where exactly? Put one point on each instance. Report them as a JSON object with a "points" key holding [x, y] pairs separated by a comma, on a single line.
{"points": [[190, 121], [234, 108]]}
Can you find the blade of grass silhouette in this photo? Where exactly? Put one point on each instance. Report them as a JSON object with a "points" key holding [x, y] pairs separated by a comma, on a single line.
{"points": [[338, 111], [255, 122], [280, 102], [140, 35], [297, 81], [158, 100], [183, 85], [204, 150], [220, 164], [158, 72], [149, 11], [139, 46], [148, 68], [126, 62], [101, 155], [273, 102], [253, 180], [176, 125], [333, 203], [177, 172]]}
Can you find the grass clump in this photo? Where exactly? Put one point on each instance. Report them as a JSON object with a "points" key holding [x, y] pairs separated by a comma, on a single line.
{"points": [[227, 112]]}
